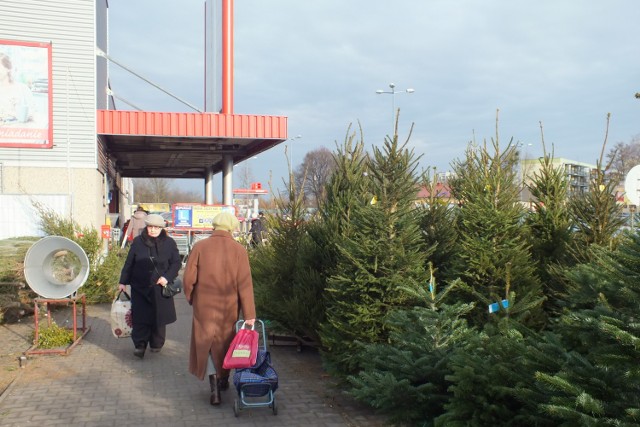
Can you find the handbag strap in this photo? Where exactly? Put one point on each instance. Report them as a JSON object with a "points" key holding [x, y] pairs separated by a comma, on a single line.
{"points": [[153, 262], [128, 297], [154, 266]]}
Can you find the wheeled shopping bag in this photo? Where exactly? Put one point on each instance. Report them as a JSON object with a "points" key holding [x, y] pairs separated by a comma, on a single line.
{"points": [[256, 386]]}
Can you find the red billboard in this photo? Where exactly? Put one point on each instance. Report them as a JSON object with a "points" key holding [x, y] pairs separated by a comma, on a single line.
{"points": [[25, 95]]}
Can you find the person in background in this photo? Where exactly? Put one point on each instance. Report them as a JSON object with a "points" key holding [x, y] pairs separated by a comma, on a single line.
{"points": [[136, 225], [152, 262], [217, 283], [256, 230]]}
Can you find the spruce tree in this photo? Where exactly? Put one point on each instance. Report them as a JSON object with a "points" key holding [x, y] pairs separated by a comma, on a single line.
{"points": [[405, 377], [598, 382], [437, 226], [381, 252], [595, 213], [493, 378], [550, 227], [493, 256], [287, 284]]}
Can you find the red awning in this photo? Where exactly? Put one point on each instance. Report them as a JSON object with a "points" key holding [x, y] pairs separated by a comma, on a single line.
{"points": [[184, 145]]}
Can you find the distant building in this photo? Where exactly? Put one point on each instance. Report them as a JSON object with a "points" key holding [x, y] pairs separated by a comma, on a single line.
{"points": [[577, 174]]}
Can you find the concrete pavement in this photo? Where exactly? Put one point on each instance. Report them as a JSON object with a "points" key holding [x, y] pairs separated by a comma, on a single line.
{"points": [[101, 383]]}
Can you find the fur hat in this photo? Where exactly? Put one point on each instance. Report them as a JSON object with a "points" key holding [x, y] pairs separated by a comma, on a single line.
{"points": [[225, 221], [155, 220]]}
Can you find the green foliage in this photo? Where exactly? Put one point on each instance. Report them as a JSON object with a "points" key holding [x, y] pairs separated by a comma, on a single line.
{"points": [[88, 238], [598, 382], [287, 276], [596, 214], [438, 227], [102, 282], [104, 271], [550, 228], [492, 379], [54, 336], [405, 377], [493, 258], [380, 253]]}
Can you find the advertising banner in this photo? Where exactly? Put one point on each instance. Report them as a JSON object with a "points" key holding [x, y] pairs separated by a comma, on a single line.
{"points": [[196, 216], [25, 95]]}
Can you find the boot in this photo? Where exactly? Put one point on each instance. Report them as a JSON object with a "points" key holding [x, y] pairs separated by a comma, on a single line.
{"points": [[223, 383], [214, 399], [139, 351]]}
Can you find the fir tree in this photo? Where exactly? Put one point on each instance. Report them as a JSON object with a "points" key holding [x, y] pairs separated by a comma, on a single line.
{"points": [[287, 284], [405, 377], [437, 224], [595, 213], [598, 383], [381, 252], [550, 227], [493, 251], [493, 378]]}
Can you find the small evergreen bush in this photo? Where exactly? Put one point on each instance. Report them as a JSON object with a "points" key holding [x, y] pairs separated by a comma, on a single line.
{"points": [[54, 336]]}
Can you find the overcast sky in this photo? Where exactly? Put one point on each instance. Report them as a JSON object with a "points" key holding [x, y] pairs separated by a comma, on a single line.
{"points": [[319, 62]]}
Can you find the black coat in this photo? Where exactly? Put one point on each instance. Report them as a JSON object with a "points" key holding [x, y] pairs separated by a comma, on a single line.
{"points": [[256, 231], [148, 306]]}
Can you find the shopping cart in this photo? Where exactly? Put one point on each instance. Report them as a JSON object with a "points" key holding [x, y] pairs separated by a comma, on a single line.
{"points": [[256, 385]]}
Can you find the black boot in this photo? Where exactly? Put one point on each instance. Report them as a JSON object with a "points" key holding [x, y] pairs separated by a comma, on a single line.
{"points": [[223, 383], [139, 351], [214, 399]]}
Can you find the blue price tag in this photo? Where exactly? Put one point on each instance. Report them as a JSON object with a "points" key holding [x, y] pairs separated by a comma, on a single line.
{"points": [[494, 307], [505, 303]]}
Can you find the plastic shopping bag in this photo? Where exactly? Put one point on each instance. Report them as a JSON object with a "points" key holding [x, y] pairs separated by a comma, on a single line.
{"points": [[121, 322], [243, 350]]}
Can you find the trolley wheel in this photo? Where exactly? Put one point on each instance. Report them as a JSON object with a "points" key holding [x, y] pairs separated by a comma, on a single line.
{"points": [[274, 407], [236, 408]]}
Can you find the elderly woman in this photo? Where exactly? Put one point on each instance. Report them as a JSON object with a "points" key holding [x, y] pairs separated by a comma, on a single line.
{"points": [[217, 282], [152, 262]]}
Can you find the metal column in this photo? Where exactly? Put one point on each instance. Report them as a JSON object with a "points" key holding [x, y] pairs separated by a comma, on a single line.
{"points": [[227, 180]]}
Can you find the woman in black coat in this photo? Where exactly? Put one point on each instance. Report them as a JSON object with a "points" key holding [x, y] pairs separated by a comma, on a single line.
{"points": [[152, 262]]}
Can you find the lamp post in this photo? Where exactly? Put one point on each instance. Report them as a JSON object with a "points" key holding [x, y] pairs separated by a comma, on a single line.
{"points": [[290, 149], [393, 92]]}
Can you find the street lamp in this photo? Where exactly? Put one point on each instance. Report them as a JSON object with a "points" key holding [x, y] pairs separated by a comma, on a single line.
{"points": [[290, 149], [393, 92]]}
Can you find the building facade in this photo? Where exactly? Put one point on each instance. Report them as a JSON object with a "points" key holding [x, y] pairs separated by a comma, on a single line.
{"points": [[69, 170], [577, 175]]}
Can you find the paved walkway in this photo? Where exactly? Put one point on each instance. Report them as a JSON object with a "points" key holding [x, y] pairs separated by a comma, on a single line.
{"points": [[101, 383]]}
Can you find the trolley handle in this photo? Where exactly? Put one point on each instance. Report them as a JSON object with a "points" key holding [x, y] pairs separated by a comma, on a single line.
{"points": [[253, 327]]}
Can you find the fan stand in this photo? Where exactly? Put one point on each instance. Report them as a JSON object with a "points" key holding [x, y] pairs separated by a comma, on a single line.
{"points": [[76, 337]]}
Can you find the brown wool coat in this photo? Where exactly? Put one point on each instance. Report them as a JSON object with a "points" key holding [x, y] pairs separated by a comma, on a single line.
{"points": [[217, 282]]}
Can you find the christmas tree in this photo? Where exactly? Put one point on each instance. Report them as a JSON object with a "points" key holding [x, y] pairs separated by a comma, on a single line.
{"points": [[493, 257], [598, 382], [550, 227], [405, 377], [381, 252]]}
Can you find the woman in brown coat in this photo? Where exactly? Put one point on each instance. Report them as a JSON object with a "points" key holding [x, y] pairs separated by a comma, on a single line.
{"points": [[217, 283]]}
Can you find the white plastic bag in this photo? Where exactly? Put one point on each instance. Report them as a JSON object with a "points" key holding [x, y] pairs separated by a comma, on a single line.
{"points": [[121, 322]]}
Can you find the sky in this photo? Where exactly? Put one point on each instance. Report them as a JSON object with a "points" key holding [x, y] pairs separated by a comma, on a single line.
{"points": [[560, 64]]}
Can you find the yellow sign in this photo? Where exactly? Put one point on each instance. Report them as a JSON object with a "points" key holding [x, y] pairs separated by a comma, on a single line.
{"points": [[197, 216], [155, 207]]}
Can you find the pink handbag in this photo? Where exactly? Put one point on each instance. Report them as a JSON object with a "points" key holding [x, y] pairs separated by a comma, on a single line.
{"points": [[243, 351]]}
